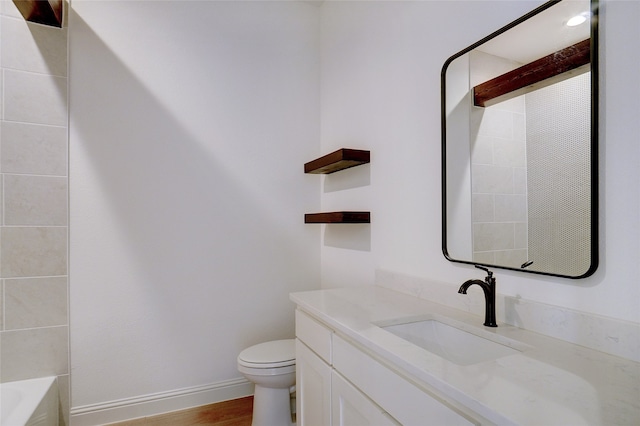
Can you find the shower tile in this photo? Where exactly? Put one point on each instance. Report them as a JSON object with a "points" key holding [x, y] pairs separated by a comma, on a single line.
{"points": [[1, 201], [521, 237], [513, 105], [32, 353], [1, 93], [520, 180], [509, 152], [35, 200], [33, 251], [1, 306], [520, 128], [484, 257], [511, 208], [483, 207], [33, 149], [513, 258], [35, 98], [492, 179], [482, 150], [496, 123], [492, 236], [35, 302], [32, 47]]}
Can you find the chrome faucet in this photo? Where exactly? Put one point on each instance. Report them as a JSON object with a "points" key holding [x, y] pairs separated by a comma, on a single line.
{"points": [[489, 288]]}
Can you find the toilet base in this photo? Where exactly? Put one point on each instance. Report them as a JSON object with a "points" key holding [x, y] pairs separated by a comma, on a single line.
{"points": [[271, 407]]}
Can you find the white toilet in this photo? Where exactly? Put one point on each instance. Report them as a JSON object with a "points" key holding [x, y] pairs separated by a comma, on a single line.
{"points": [[271, 366]]}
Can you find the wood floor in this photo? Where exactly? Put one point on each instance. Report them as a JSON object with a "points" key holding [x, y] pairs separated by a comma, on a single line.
{"points": [[236, 412]]}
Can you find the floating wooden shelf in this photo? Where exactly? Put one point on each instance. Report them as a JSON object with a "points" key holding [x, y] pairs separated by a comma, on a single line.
{"points": [[47, 12], [339, 160], [338, 217], [535, 75]]}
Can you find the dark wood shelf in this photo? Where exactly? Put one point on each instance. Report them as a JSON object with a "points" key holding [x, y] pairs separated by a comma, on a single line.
{"points": [[47, 12], [339, 160], [338, 217], [543, 72]]}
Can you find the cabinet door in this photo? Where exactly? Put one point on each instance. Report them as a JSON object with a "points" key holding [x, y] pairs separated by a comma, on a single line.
{"points": [[403, 400], [313, 388], [350, 407], [314, 335]]}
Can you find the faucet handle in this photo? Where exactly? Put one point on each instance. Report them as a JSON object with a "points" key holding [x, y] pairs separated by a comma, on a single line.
{"points": [[489, 279], [489, 273]]}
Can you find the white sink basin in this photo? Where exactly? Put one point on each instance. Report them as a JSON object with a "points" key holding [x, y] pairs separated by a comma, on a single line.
{"points": [[450, 343]]}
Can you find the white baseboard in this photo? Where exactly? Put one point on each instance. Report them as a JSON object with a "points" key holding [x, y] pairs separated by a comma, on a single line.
{"points": [[159, 403]]}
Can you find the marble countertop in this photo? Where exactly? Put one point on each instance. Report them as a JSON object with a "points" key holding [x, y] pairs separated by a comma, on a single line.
{"points": [[548, 382]]}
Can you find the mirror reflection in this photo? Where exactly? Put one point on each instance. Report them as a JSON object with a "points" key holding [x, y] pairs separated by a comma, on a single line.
{"points": [[519, 145]]}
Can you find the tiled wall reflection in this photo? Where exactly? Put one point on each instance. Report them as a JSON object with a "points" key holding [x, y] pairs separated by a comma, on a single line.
{"points": [[34, 219], [499, 171]]}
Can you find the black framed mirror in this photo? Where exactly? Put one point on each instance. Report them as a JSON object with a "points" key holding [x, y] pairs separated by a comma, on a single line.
{"points": [[520, 145]]}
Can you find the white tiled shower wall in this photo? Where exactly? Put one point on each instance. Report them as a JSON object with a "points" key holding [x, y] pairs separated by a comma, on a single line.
{"points": [[33, 233], [499, 163]]}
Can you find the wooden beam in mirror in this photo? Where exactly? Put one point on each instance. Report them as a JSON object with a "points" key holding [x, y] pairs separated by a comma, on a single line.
{"points": [[551, 69]]}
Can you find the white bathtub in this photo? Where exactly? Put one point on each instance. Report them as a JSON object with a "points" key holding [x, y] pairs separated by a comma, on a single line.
{"points": [[29, 402]]}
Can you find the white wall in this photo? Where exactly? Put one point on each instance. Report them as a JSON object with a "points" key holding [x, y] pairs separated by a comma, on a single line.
{"points": [[381, 66], [190, 123]]}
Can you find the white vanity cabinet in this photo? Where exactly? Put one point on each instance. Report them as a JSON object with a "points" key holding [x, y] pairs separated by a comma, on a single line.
{"points": [[350, 407], [323, 396], [313, 387], [339, 384], [313, 371], [407, 403], [353, 370]]}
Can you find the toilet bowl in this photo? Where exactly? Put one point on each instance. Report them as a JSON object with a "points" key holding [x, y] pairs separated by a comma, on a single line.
{"points": [[271, 366]]}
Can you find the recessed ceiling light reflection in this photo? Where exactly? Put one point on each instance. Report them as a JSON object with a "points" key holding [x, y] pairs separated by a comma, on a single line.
{"points": [[578, 19]]}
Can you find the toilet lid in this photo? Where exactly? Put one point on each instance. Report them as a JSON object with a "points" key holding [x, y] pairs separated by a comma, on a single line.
{"points": [[278, 353]]}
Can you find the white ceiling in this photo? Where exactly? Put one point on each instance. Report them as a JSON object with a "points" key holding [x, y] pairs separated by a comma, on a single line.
{"points": [[542, 34]]}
